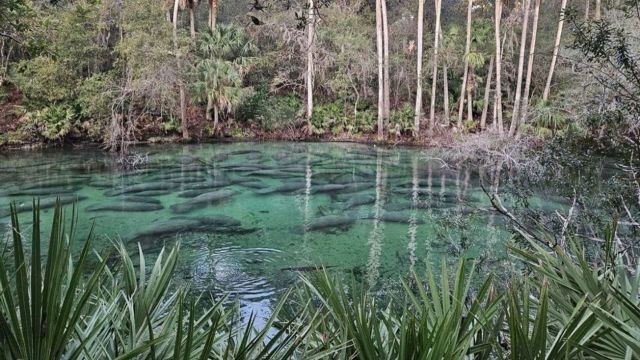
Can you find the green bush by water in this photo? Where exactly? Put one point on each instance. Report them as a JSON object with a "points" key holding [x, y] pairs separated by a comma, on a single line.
{"points": [[66, 306]]}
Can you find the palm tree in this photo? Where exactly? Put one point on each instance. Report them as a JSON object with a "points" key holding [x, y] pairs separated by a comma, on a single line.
{"points": [[225, 55]]}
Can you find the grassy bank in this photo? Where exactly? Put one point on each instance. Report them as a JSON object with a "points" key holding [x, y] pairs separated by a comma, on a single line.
{"points": [[63, 304]]}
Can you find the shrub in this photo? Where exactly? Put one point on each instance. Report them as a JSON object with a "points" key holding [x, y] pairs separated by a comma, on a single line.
{"points": [[269, 112], [52, 123]]}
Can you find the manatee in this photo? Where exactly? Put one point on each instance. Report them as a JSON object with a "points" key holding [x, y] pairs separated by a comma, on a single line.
{"points": [[43, 191], [359, 200], [45, 203], [243, 152], [187, 180], [125, 207], [152, 193], [55, 183], [193, 193], [202, 200], [284, 188], [256, 184], [217, 220], [137, 188], [398, 217], [139, 199], [165, 228], [327, 188], [177, 225], [330, 222], [357, 186], [211, 184], [273, 173], [104, 184]]}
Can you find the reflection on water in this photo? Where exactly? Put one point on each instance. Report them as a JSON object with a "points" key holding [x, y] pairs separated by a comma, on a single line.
{"points": [[252, 216]]}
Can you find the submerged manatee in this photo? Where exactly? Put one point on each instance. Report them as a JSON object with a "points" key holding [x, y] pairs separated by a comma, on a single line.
{"points": [[202, 200], [327, 188], [56, 183], [125, 207], [359, 200], [43, 192], [138, 188], [397, 217], [44, 203], [284, 188], [330, 222], [177, 225], [139, 199]]}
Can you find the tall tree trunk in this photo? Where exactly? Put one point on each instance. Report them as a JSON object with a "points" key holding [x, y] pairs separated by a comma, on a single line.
{"points": [[445, 85], [380, 69], [209, 109], [213, 14], [532, 51], [192, 19], [498, 94], [434, 82], [310, 37], [598, 15], [587, 4], [216, 118], [556, 48], [467, 50], [523, 42], [445, 81], [183, 96], [420, 38], [387, 82], [469, 100], [487, 90]]}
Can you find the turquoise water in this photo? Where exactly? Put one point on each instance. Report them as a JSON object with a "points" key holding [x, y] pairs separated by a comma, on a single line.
{"points": [[250, 217]]}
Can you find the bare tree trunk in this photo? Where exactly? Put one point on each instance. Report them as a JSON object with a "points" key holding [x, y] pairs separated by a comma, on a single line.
{"points": [[387, 82], [209, 108], [445, 80], [213, 14], [523, 42], [310, 37], [434, 82], [183, 97], [587, 4], [556, 48], [380, 69], [487, 90], [192, 19], [598, 15], [532, 50], [216, 118], [445, 85], [467, 50], [420, 36], [469, 104], [498, 94]]}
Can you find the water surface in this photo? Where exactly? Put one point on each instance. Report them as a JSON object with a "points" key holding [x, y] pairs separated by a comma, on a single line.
{"points": [[251, 216]]}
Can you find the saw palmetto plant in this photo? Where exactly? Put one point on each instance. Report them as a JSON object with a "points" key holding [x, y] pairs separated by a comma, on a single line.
{"points": [[66, 304]]}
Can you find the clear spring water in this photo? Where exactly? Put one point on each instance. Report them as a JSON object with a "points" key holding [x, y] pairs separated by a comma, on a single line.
{"points": [[251, 216]]}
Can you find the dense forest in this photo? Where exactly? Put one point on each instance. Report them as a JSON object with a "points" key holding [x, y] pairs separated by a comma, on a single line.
{"points": [[118, 72]]}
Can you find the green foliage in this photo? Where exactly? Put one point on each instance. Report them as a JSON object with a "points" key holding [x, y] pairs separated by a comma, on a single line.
{"points": [[329, 118], [71, 308], [45, 80], [401, 120], [68, 307], [336, 118], [224, 57], [53, 123], [269, 112]]}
